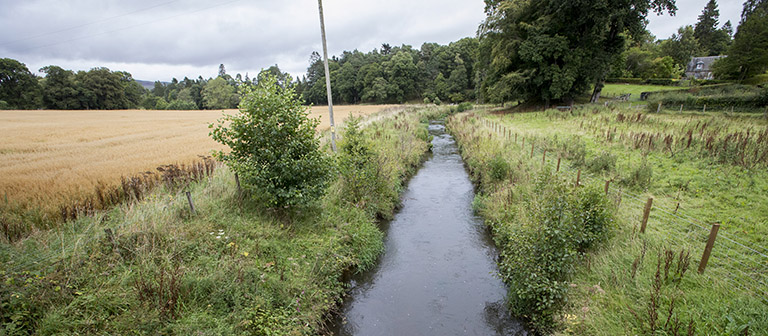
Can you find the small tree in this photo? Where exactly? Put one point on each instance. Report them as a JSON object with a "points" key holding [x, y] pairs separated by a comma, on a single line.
{"points": [[273, 146]]}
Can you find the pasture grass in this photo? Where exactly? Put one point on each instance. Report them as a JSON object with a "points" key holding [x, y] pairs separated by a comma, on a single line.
{"points": [[615, 290], [230, 269], [611, 90], [54, 159]]}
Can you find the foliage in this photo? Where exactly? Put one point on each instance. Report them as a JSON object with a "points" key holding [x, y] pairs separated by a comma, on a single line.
{"points": [[554, 50], [18, 87], [364, 183], [273, 147], [748, 55], [217, 94], [605, 162], [400, 74], [713, 41]]}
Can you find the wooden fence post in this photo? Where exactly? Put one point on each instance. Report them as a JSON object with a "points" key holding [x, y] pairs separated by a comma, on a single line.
{"points": [[708, 248], [705, 108], [544, 158], [681, 108], [646, 213], [191, 206], [658, 109], [578, 177], [558, 164], [531, 150], [607, 184]]}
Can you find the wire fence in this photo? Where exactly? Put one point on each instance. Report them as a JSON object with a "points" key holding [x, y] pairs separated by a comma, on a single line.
{"points": [[734, 261]]}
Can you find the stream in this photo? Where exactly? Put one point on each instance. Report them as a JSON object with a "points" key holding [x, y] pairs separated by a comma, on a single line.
{"points": [[437, 275]]}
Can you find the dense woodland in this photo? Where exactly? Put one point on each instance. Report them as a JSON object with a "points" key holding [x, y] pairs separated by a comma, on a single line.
{"points": [[535, 51]]}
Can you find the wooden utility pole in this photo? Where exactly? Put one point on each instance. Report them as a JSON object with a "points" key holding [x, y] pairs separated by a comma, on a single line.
{"points": [[327, 76]]}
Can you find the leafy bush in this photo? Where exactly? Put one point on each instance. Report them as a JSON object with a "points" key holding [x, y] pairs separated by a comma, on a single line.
{"points": [[427, 101], [605, 162], [4, 105], [640, 177], [363, 182], [437, 101], [498, 168], [273, 147], [538, 259], [465, 106]]}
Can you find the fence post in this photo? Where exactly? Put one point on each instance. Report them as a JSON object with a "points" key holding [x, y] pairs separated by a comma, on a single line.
{"points": [[607, 184], [681, 108], [708, 248], [544, 158], [191, 206], [658, 109], [578, 177], [531, 150], [646, 212], [558, 164], [705, 108]]}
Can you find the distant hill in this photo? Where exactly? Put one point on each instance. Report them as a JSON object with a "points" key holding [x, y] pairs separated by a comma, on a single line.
{"points": [[148, 84]]}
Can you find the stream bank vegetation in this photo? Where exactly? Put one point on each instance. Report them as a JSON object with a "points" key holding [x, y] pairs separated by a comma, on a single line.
{"points": [[700, 170], [151, 265]]}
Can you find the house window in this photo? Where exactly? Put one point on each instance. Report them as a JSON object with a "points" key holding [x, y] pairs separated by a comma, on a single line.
{"points": [[699, 66]]}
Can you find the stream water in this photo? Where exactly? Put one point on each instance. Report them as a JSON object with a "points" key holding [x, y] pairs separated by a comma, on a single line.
{"points": [[437, 275]]}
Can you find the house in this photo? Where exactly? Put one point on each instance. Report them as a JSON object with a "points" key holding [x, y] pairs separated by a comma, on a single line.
{"points": [[701, 67]]}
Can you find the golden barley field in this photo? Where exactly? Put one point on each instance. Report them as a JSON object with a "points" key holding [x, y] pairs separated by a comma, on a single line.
{"points": [[48, 158]]}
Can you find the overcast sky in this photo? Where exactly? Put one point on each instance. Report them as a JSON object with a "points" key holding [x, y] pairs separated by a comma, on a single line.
{"points": [[161, 39]]}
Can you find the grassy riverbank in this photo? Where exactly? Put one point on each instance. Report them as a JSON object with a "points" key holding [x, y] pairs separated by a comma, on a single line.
{"points": [[647, 283], [229, 268]]}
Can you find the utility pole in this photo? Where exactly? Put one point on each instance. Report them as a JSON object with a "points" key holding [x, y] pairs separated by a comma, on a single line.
{"points": [[327, 76]]}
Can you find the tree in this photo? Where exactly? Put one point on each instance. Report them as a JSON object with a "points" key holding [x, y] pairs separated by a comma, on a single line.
{"points": [[748, 55], [59, 89], [102, 89], [222, 70], [681, 46], [218, 94], [714, 41], [555, 49], [273, 147], [18, 86]]}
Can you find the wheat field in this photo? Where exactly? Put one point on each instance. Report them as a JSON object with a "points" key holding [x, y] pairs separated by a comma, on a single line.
{"points": [[49, 158]]}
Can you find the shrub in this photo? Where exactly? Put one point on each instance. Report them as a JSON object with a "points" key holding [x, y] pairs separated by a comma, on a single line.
{"points": [[605, 162], [437, 101], [465, 106], [363, 181], [498, 168], [538, 257], [4, 105], [427, 101], [640, 177], [273, 147]]}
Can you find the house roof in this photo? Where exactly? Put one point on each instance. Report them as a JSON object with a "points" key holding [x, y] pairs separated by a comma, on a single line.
{"points": [[705, 61]]}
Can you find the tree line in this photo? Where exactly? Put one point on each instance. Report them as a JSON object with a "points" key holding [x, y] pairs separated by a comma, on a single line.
{"points": [[525, 50]]}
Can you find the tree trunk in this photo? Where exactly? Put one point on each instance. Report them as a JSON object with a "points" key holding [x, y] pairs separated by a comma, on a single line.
{"points": [[598, 90]]}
